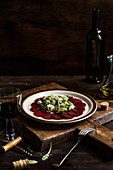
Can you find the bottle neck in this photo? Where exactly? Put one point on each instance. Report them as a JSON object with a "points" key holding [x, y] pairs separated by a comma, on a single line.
{"points": [[96, 19]]}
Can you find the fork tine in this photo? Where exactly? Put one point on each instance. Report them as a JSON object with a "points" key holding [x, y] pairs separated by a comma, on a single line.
{"points": [[85, 131]]}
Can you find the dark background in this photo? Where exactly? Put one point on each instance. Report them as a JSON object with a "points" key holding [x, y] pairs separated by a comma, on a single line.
{"points": [[47, 37]]}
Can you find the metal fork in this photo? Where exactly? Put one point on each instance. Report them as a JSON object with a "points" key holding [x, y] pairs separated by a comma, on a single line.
{"points": [[81, 134]]}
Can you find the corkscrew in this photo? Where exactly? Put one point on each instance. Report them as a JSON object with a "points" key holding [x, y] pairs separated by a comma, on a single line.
{"points": [[14, 143], [23, 150]]}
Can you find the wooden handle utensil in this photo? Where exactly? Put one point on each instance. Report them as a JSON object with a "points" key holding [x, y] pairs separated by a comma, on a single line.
{"points": [[11, 144]]}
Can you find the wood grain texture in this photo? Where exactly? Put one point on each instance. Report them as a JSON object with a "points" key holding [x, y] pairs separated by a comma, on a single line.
{"points": [[51, 34], [40, 135], [85, 156]]}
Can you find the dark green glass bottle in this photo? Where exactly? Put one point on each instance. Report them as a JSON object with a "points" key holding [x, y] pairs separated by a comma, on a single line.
{"points": [[95, 50]]}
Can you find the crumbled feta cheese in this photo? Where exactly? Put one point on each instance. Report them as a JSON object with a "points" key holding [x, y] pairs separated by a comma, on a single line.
{"points": [[50, 106], [72, 107], [59, 98], [39, 102], [47, 101]]}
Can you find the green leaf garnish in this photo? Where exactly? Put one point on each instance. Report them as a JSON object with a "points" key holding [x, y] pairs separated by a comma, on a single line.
{"points": [[52, 96], [70, 103], [50, 112], [46, 156], [63, 109], [33, 162], [45, 97], [66, 97], [30, 150], [53, 102]]}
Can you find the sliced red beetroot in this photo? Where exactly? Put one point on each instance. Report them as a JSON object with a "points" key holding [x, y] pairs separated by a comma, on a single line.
{"points": [[81, 104], [77, 111], [66, 115], [78, 114], [77, 101], [56, 116], [38, 113], [33, 104], [47, 115], [36, 100], [80, 109], [74, 100], [71, 113], [33, 109], [70, 98]]}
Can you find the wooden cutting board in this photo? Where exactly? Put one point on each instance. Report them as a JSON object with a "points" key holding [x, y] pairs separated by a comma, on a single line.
{"points": [[40, 134]]}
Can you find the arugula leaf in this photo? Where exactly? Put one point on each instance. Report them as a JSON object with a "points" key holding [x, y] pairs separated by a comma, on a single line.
{"points": [[46, 156], [33, 162], [51, 112], [53, 102], [30, 150], [52, 96], [63, 104], [66, 97], [63, 109], [45, 97], [40, 104], [70, 103]]}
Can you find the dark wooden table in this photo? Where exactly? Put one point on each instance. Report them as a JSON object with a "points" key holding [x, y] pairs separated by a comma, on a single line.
{"points": [[83, 157]]}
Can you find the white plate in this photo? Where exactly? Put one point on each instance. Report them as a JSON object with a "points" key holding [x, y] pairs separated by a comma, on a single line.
{"points": [[90, 107]]}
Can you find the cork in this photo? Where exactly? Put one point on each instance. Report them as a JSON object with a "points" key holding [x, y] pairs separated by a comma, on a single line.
{"points": [[104, 105], [20, 164]]}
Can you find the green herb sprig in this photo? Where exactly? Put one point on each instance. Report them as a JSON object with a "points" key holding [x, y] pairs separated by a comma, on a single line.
{"points": [[29, 149], [46, 156], [33, 162]]}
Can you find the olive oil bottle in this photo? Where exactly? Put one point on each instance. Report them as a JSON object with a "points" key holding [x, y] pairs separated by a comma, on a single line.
{"points": [[95, 50], [106, 90]]}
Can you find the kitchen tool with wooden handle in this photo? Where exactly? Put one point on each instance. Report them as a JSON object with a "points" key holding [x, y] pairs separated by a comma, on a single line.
{"points": [[10, 144], [13, 143]]}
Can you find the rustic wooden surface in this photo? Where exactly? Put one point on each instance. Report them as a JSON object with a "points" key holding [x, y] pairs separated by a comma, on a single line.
{"points": [[84, 156], [40, 135], [51, 34]]}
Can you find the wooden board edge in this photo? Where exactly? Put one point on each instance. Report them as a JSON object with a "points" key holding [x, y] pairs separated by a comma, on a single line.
{"points": [[49, 86]]}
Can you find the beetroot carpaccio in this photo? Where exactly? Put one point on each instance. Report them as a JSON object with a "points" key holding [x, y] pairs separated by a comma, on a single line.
{"points": [[57, 107]]}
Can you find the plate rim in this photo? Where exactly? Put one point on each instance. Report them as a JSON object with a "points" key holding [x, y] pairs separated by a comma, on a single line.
{"points": [[93, 110]]}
